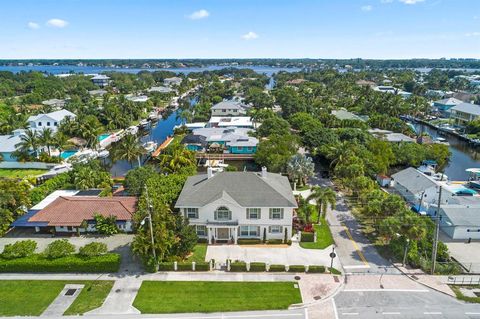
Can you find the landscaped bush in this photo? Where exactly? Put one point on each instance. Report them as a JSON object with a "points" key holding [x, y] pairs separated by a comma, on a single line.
{"points": [[202, 266], [316, 269], [238, 266], [19, 249], [296, 268], [202, 241], [274, 241], [60, 181], [249, 241], [93, 249], [59, 248], [257, 267], [185, 266], [166, 266], [307, 237], [277, 268], [73, 263]]}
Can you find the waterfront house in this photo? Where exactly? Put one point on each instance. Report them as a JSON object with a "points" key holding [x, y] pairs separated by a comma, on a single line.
{"points": [[444, 106], [343, 114], [459, 221], [99, 92], [229, 108], [172, 81], [137, 98], [73, 211], [231, 140], [101, 80], [49, 120], [390, 136], [231, 121], [8, 145], [159, 89], [55, 103], [228, 206], [464, 113]]}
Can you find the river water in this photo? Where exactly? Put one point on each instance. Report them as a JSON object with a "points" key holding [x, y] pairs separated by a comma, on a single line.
{"points": [[463, 155]]}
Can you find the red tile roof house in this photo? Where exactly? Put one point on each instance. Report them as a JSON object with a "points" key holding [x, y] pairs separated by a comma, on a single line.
{"points": [[66, 213]]}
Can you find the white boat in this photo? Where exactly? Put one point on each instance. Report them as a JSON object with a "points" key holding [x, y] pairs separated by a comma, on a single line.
{"points": [[132, 129], [144, 123], [440, 177], [103, 154], [153, 116], [441, 140], [150, 146]]}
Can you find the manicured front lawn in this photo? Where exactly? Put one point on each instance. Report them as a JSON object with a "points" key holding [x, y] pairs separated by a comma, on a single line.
{"points": [[203, 296], [199, 252], [32, 297], [324, 237], [20, 173]]}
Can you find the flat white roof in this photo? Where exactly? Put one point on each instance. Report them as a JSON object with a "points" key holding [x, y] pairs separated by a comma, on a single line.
{"points": [[53, 196]]}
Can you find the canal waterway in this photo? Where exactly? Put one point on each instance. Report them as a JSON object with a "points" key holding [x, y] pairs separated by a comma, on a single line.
{"points": [[463, 155]]}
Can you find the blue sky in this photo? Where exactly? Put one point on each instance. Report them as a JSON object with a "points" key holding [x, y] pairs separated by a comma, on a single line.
{"points": [[239, 28]]}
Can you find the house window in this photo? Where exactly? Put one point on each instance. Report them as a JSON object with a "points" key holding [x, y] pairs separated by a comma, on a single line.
{"points": [[223, 213], [224, 110], [69, 228], [235, 111], [55, 123], [276, 213], [48, 123], [250, 231], [39, 123], [239, 148], [249, 148], [191, 212], [253, 213], [201, 230], [275, 229]]}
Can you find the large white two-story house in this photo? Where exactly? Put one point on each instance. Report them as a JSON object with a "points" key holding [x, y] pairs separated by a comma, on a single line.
{"points": [[229, 108], [227, 206], [49, 120]]}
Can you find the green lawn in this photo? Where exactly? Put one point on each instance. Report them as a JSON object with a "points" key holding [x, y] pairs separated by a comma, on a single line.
{"points": [[199, 252], [461, 296], [202, 296], [20, 173], [324, 237], [32, 297]]}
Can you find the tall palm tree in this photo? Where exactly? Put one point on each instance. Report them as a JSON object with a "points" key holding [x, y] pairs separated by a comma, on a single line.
{"points": [[176, 159], [60, 141], [127, 149], [29, 142], [324, 197], [299, 168], [45, 138]]}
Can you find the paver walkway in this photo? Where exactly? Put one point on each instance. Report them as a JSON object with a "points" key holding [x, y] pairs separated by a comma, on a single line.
{"points": [[120, 299], [63, 301]]}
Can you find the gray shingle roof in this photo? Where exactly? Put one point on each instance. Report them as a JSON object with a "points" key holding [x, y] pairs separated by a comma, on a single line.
{"points": [[467, 108], [461, 215], [8, 143], [343, 114], [229, 105], [413, 180], [449, 101], [248, 189]]}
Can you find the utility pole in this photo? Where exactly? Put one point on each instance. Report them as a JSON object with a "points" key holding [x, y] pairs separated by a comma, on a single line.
{"points": [[149, 208], [436, 233]]}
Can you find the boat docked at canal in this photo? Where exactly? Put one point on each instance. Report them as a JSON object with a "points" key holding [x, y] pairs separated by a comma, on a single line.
{"points": [[150, 146], [473, 177], [441, 140]]}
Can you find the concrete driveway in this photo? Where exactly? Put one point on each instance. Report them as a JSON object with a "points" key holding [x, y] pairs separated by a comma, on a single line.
{"points": [[292, 255]]}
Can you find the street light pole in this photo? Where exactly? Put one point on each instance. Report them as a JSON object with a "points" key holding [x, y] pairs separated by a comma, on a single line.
{"points": [[149, 207], [436, 233], [405, 252]]}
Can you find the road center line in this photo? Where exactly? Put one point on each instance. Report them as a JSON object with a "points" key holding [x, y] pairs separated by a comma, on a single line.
{"points": [[432, 313], [350, 313], [360, 254], [473, 313], [390, 313]]}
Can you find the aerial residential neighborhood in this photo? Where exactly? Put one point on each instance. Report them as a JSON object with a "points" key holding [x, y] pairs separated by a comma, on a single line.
{"points": [[240, 159]]}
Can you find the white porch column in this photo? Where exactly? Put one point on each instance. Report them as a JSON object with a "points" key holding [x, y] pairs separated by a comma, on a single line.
{"points": [[209, 235], [235, 234]]}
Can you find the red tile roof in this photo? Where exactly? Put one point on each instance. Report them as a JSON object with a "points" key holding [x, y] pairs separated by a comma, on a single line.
{"points": [[72, 211]]}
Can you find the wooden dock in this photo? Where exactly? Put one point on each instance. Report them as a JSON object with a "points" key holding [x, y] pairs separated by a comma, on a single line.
{"points": [[231, 157], [162, 146]]}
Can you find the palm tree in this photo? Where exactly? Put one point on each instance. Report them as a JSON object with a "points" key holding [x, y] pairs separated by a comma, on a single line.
{"points": [[29, 141], [127, 149], [299, 168], [60, 141], [45, 138], [324, 197], [176, 159]]}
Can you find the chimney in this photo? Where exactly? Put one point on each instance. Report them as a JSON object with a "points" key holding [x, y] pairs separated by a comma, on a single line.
{"points": [[264, 172], [209, 172]]}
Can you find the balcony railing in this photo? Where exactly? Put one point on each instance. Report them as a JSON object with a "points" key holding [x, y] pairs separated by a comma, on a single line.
{"points": [[222, 222]]}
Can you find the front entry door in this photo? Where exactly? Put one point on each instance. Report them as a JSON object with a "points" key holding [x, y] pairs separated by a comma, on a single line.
{"points": [[223, 233]]}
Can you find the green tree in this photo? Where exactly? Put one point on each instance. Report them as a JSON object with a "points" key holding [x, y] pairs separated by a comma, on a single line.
{"points": [[45, 138], [127, 149], [299, 168], [275, 152], [136, 179], [324, 197], [29, 142], [106, 225]]}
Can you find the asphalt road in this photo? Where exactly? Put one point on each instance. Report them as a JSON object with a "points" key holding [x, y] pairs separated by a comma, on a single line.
{"points": [[402, 304]]}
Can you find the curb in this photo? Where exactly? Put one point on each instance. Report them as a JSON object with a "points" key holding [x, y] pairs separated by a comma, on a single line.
{"points": [[423, 284]]}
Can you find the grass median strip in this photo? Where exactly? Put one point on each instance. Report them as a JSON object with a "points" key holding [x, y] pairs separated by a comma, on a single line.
{"points": [[32, 297], [208, 296]]}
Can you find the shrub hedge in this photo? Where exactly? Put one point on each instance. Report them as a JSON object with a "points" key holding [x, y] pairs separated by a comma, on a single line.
{"points": [[184, 266], [316, 269], [277, 268], [249, 241], [238, 266], [19, 249], [202, 241], [296, 268], [257, 267], [202, 266], [274, 241], [73, 263], [166, 266], [307, 237]]}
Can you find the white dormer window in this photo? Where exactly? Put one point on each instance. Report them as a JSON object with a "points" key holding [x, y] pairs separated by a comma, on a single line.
{"points": [[191, 213], [223, 213]]}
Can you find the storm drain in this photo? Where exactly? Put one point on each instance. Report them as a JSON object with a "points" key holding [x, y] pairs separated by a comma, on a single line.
{"points": [[317, 298], [118, 290], [296, 277], [70, 292]]}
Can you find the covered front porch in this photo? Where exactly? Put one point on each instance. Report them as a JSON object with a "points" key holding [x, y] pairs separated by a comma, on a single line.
{"points": [[222, 232]]}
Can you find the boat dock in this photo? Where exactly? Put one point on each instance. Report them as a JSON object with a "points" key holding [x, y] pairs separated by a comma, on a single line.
{"points": [[162, 146], [224, 156]]}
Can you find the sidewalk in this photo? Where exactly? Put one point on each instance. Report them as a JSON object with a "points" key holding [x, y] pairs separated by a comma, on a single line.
{"points": [[438, 283]]}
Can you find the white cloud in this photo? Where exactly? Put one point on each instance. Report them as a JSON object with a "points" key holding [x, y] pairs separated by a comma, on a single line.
{"points": [[33, 25], [411, 1], [366, 8], [57, 23], [250, 36], [200, 14], [472, 34]]}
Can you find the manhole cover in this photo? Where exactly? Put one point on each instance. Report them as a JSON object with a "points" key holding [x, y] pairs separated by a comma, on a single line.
{"points": [[296, 277], [118, 290], [317, 298], [70, 292]]}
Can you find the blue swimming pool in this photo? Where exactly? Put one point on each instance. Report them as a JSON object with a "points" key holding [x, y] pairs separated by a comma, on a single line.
{"points": [[67, 154], [102, 137]]}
